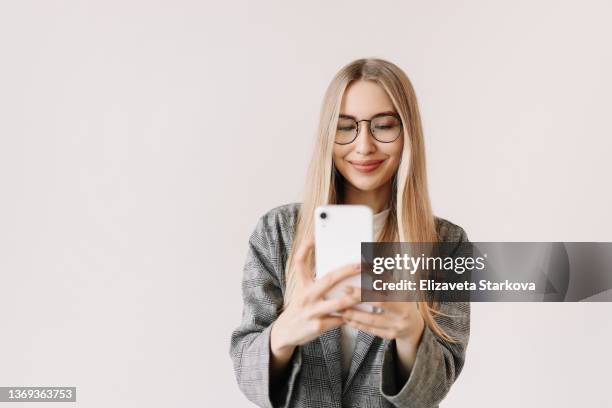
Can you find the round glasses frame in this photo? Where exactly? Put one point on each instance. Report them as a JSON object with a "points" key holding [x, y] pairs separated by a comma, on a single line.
{"points": [[358, 123]]}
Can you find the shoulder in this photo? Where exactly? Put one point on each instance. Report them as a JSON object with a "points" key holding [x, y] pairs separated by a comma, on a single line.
{"points": [[281, 219], [273, 237], [448, 231], [276, 227]]}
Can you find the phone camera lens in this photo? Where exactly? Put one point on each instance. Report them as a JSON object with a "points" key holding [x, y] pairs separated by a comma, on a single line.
{"points": [[323, 215]]}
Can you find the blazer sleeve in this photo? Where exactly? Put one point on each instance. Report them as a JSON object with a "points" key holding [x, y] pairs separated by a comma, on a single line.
{"points": [[437, 364], [250, 341]]}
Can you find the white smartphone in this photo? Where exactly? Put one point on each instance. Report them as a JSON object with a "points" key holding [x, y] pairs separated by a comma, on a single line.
{"points": [[339, 231]]}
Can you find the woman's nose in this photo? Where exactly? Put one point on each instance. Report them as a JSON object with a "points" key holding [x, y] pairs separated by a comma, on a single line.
{"points": [[365, 141]]}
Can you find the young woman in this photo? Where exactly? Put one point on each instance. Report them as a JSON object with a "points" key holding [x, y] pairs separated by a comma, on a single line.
{"points": [[288, 349]]}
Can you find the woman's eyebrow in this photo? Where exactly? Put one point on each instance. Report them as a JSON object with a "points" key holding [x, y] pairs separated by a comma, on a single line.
{"points": [[343, 115]]}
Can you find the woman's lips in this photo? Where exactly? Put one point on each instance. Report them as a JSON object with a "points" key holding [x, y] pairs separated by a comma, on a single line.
{"points": [[365, 166]]}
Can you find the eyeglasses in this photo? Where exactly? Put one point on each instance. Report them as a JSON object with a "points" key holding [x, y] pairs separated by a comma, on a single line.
{"points": [[385, 127]]}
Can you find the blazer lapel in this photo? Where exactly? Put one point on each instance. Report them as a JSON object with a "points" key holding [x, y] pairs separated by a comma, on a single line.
{"points": [[330, 342], [362, 345]]}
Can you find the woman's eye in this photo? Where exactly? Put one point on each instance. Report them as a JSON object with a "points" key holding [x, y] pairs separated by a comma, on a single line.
{"points": [[346, 128]]}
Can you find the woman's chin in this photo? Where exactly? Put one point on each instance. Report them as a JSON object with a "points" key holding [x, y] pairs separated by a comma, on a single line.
{"points": [[365, 183]]}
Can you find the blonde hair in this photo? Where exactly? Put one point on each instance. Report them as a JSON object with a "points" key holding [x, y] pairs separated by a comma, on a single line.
{"points": [[410, 218]]}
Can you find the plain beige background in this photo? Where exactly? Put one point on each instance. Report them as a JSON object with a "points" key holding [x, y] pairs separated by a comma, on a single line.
{"points": [[140, 142]]}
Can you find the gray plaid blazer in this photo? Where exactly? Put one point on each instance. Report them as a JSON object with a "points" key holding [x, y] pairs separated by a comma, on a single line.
{"points": [[314, 376]]}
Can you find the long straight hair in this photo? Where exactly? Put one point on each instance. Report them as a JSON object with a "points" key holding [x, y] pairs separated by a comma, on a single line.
{"points": [[410, 217]]}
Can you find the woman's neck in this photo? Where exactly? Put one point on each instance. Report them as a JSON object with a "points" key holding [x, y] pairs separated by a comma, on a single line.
{"points": [[377, 199]]}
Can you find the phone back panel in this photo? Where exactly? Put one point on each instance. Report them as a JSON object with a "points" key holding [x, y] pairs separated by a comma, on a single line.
{"points": [[338, 239]]}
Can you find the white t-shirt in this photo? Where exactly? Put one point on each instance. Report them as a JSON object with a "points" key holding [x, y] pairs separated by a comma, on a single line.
{"points": [[349, 334]]}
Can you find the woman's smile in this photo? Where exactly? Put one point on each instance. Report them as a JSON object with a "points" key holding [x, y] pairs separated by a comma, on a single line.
{"points": [[366, 166]]}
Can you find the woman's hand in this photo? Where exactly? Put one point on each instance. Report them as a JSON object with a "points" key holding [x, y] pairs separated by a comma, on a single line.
{"points": [[400, 321], [307, 315]]}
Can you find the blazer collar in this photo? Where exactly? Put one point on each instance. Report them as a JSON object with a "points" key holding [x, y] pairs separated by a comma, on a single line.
{"points": [[332, 353], [362, 346]]}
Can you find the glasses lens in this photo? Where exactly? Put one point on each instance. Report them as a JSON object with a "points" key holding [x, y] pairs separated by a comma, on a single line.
{"points": [[386, 128], [346, 130]]}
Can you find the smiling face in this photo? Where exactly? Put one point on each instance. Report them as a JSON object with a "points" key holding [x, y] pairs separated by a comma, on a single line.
{"points": [[367, 164]]}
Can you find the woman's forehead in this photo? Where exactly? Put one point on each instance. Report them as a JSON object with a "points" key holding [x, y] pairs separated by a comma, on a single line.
{"points": [[364, 99]]}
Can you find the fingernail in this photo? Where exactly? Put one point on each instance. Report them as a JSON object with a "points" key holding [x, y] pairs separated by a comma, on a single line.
{"points": [[348, 289]]}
